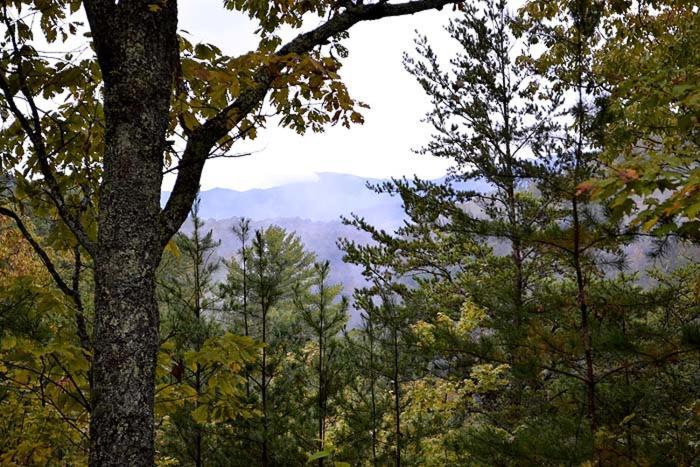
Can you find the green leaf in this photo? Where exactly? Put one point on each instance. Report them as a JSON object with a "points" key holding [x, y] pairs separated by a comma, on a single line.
{"points": [[319, 455], [8, 342], [200, 414]]}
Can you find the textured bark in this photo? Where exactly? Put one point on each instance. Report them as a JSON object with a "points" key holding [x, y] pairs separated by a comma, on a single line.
{"points": [[136, 50]]}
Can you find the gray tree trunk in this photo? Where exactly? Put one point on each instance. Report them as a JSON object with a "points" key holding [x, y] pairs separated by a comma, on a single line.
{"points": [[137, 52]]}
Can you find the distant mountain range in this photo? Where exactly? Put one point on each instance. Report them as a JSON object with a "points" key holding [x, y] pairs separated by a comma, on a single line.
{"points": [[322, 200], [312, 209]]}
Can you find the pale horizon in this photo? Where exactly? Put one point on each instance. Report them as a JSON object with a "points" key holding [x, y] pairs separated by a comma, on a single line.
{"points": [[381, 148]]}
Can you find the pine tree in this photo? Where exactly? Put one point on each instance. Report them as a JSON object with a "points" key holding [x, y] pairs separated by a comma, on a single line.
{"points": [[235, 290], [384, 308], [362, 402], [325, 320], [189, 319], [276, 266], [509, 288]]}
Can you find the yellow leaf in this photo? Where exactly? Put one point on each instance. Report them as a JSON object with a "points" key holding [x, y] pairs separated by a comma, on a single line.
{"points": [[8, 342], [172, 248], [200, 414], [648, 225]]}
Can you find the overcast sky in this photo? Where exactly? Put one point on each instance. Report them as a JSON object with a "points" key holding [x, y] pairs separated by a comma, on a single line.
{"points": [[374, 73]]}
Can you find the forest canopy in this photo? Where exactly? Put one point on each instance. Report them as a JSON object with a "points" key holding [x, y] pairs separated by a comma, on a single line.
{"points": [[539, 305]]}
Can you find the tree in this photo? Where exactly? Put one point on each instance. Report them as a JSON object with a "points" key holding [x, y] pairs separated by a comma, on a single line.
{"points": [[189, 320], [43, 371], [489, 114], [650, 69], [108, 124], [360, 405], [535, 342], [388, 321], [277, 267], [325, 320], [235, 290]]}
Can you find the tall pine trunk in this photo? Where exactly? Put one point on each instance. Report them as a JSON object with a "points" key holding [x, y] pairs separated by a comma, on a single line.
{"points": [[136, 50], [321, 373]]}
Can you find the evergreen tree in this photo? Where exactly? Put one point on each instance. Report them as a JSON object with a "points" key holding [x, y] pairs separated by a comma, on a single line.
{"points": [[275, 267], [189, 319], [362, 401], [325, 320], [508, 288], [235, 290], [388, 333]]}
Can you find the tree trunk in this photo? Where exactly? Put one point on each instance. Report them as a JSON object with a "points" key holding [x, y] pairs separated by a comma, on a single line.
{"points": [[578, 250], [321, 375], [137, 52], [265, 460], [397, 397], [372, 374]]}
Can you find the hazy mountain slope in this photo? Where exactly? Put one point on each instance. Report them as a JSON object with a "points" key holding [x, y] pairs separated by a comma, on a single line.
{"points": [[324, 199], [312, 210]]}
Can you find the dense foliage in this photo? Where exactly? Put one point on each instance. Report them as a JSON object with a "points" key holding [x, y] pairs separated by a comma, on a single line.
{"points": [[514, 325]]}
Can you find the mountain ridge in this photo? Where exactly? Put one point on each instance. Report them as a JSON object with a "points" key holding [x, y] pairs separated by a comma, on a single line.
{"points": [[311, 209], [324, 199]]}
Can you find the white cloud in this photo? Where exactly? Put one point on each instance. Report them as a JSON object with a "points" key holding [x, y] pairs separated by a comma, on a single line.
{"points": [[374, 73]]}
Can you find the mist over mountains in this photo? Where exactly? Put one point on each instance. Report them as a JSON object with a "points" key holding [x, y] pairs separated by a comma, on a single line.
{"points": [[322, 200], [311, 209]]}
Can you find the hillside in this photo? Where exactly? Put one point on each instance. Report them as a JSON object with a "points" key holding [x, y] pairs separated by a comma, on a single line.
{"points": [[322, 200], [310, 209], [313, 209]]}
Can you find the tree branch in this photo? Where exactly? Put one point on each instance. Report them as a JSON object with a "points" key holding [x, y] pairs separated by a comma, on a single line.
{"points": [[205, 136], [33, 131], [60, 283], [80, 321], [100, 14]]}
